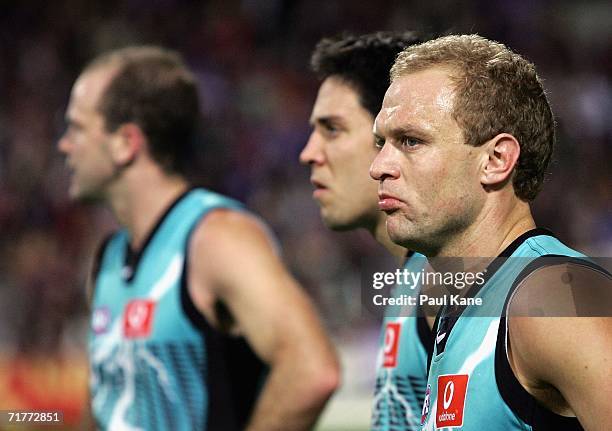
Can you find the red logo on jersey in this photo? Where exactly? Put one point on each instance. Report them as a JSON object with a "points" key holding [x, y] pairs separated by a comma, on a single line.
{"points": [[392, 334], [138, 318], [451, 400]]}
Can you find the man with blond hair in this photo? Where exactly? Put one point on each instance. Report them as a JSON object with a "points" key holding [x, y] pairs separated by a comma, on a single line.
{"points": [[465, 135]]}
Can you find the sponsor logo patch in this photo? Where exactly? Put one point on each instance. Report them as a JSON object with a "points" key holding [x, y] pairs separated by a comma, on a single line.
{"points": [[450, 404], [100, 320], [392, 334], [425, 411], [138, 318]]}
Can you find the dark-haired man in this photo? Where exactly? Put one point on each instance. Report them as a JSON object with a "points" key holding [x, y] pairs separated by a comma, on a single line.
{"points": [[190, 296], [354, 71], [465, 136]]}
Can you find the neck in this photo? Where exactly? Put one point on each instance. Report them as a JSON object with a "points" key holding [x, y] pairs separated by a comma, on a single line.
{"points": [[141, 198], [495, 228], [379, 232]]}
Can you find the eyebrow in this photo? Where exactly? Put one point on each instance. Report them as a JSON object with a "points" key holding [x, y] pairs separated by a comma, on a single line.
{"points": [[326, 120], [406, 130]]}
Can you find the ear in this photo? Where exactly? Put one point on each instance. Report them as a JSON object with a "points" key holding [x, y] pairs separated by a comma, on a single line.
{"points": [[503, 153], [128, 141]]}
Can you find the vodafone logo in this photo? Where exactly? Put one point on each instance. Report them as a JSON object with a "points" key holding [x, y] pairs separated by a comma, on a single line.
{"points": [[449, 391], [452, 391], [138, 318], [392, 333], [390, 337]]}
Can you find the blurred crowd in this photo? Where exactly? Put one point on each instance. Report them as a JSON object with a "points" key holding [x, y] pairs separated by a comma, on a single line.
{"points": [[251, 58]]}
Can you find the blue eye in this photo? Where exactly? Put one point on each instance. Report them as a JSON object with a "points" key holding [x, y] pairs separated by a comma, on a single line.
{"points": [[408, 141]]}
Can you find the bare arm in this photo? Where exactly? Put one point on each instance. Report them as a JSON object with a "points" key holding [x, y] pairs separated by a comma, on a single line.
{"points": [[233, 260], [565, 360]]}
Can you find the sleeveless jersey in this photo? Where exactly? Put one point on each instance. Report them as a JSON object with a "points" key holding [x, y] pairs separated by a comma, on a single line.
{"points": [[471, 386], [155, 362], [401, 365]]}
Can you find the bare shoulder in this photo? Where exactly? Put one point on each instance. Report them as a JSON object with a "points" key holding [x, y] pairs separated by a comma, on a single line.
{"points": [[574, 288], [227, 230], [560, 324], [560, 304], [230, 249]]}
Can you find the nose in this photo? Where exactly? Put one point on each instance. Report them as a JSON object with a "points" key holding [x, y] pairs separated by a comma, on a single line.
{"points": [[63, 145], [385, 165], [312, 153]]}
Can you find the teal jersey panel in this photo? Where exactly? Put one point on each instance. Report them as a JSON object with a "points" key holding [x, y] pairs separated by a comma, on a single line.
{"points": [[401, 367], [149, 363], [462, 390]]}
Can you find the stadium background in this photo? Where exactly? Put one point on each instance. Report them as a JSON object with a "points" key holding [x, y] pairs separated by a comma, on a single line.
{"points": [[251, 58]]}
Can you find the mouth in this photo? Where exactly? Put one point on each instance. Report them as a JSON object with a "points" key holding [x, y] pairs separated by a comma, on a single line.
{"points": [[70, 170], [388, 203], [319, 188]]}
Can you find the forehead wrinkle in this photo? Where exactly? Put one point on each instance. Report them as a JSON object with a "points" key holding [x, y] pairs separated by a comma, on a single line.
{"points": [[392, 106], [410, 106], [399, 122], [386, 113]]}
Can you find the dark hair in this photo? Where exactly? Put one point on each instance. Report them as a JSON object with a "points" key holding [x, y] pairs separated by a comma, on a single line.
{"points": [[496, 91], [362, 61], [153, 88]]}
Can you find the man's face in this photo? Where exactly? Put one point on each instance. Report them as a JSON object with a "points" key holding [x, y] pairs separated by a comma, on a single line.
{"points": [[339, 151], [429, 183], [86, 142]]}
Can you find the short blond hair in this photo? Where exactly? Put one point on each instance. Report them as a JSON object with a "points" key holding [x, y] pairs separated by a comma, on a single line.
{"points": [[496, 91]]}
